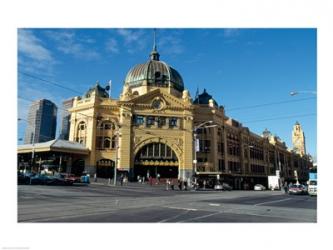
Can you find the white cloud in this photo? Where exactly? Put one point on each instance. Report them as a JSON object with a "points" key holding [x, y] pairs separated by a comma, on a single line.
{"points": [[30, 46], [169, 42], [68, 43], [130, 36], [33, 56], [134, 40], [111, 45]]}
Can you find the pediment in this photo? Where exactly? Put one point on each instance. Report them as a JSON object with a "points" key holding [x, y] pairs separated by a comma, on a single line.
{"points": [[168, 100]]}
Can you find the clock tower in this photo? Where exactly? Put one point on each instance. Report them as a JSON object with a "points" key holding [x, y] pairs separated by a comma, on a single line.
{"points": [[298, 139]]}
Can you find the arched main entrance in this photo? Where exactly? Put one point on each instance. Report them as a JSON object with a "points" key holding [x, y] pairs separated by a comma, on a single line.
{"points": [[156, 158], [105, 168]]}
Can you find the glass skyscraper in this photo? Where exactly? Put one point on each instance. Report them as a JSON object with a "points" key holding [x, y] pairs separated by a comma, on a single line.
{"points": [[42, 122]]}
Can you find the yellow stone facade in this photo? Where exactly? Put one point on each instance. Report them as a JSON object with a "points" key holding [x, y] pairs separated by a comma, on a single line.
{"points": [[153, 128]]}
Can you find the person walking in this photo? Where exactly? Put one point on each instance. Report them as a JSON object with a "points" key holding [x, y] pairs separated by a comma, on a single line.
{"points": [[285, 186], [180, 183], [95, 177], [167, 183], [121, 179], [172, 185]]}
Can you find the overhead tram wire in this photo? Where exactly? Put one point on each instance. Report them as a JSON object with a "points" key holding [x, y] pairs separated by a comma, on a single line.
{"points": [[270, 104], [29, 100], [49, 82], [281, 117], [88, 116], [227, 109]]}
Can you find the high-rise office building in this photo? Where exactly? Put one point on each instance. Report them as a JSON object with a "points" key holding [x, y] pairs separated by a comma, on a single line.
{"points": [[65, 119], [42, 122]]}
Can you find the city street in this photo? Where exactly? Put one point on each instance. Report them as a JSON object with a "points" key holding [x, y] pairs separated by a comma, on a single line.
{"points": [[143, 203]]}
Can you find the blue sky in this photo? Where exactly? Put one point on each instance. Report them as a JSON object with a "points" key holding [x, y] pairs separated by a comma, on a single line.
{"points": [[241, 68]]}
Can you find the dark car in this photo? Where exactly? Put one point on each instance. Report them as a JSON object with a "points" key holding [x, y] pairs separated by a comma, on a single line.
{"points": [[65, 179], [40, 179], [297, 189], [24, 178], [226, 187]]}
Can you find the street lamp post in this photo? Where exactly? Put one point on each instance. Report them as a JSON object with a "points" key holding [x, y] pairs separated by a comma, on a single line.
{"points": [[201, 125], [117, 159], [33, 144]]}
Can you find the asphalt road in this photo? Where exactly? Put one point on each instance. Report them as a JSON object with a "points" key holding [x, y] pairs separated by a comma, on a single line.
{"points": [[143, 203]]}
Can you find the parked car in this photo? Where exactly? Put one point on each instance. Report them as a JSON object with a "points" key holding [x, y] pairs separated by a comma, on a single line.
{"points": [[259, 187], [62, 179], [226, 187], [218, 186], [41, 179], [24, 178], [69, 177], [297, 189]]}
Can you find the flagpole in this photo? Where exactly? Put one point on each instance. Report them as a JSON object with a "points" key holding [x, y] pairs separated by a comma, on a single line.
{"points": [[110, 82]]}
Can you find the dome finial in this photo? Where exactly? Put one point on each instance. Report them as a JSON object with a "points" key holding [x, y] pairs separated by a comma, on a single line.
{"points": [[154, 55], [154, 47]]}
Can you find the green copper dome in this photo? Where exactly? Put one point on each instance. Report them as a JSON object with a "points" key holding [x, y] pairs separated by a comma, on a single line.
{"points": [[204, 98], [157, 74]]}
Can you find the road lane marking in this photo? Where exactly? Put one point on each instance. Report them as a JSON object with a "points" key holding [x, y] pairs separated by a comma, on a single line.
{"points": [[201, 217], [258, 204], [174, 217], [184, 208], [214, 204]]}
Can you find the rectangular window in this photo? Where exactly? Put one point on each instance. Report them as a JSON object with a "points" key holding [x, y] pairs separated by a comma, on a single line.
{"points": [[162, 150], [161, 121], [150, 150], [221, 165], [156, 150], [138, 120], [168, 152], [173, 122], [150, 121]]}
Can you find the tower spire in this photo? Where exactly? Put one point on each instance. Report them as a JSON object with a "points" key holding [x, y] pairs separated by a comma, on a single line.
{"points": [[154, 46], [154, 55]]}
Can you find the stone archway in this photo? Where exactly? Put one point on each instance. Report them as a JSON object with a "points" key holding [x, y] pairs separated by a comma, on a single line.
{"points": [[105, 168], [156, 158]]}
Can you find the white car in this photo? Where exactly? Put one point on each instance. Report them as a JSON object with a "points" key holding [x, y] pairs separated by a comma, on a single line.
{"points": [[259, 187]]}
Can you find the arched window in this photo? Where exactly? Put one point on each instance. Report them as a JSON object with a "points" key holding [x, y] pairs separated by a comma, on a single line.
{"points": [[107, 143], [114, 142], [107, 125], [82, 126], [81, 132]]}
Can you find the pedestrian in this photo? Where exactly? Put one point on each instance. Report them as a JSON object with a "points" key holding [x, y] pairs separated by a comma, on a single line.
{"points": [[121, 179], [167, 184], [285, 188], [204, 184], [172, 185], [151, 181], [143, 180], [180, 184], [95, 177], [185, 184]]}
